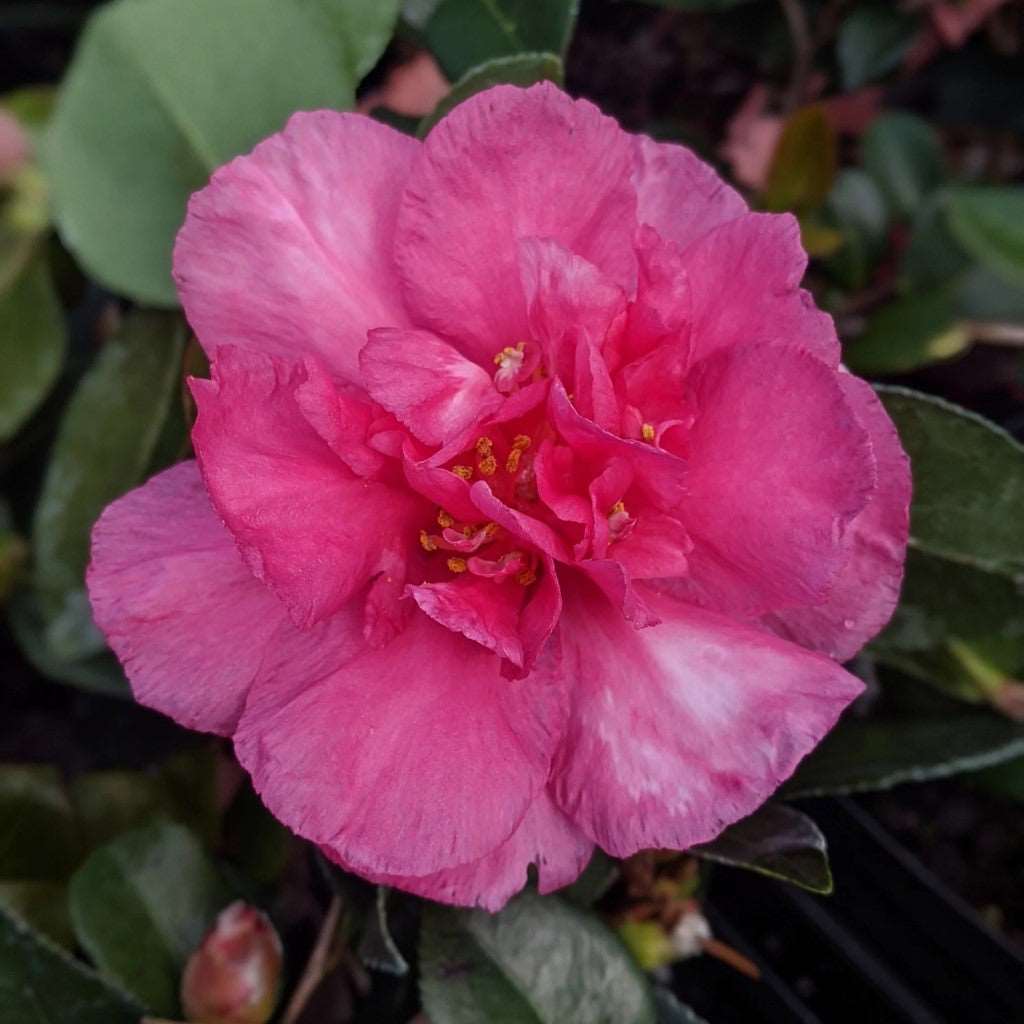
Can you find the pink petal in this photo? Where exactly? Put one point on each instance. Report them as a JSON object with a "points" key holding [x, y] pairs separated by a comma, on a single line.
{"points": [[505, 165], [288, 250], [545, 837], [744, 279], [678, 195], [779, 466], [406, 760], [528, 529], [678, 730], [177, 604], [431, 388], [865, 593], [306, 525]]}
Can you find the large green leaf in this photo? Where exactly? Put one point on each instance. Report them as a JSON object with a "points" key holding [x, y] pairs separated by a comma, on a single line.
{"points": [[904, 156], [857, 208], [32, 343], [105, 442], [803, 166], [988, 221], [671, 1011], [40, 984], [520, 69], [140, 905], [465, 33], [777, 841], [968, 481], [538, 961], [872, 40], [161, 92], [38, 835], [43, 906]]}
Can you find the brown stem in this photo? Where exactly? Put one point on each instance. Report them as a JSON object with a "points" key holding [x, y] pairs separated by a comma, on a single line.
{"points": [[318, 966]]}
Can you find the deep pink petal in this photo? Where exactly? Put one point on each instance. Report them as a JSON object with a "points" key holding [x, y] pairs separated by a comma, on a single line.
{"points": [[678, 730], [431, 388], [408, 759], [864, 595], [545, 838], [678, 194], [528, 529], [505, 165], [288, 249], [779, 465], [307, 526]]}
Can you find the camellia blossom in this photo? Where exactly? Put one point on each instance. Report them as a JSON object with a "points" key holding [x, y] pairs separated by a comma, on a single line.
{"points": [[531, 507]]}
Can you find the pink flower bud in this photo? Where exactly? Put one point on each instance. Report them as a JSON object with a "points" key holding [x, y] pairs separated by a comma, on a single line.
{"points": [[233, 977]]}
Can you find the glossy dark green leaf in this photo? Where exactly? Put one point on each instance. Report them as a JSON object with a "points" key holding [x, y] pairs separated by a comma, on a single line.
{"points": [[255, 841], [988, 221], [984, 295], [908, 332], [804, 164], [933, 257], [41, 905], [161, 92], [140, 905], [671, 1011], [968, 481], [904, 156], [466, 33], [41, 984], [857, 208], [596, 879], [108, 803], [872, 41], [777, 841], [38, 835], [521, 69], [538, 961], [105, 442], [32, 344]]}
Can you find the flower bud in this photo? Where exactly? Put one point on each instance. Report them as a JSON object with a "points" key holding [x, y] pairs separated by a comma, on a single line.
{"points": [[233, 977]]}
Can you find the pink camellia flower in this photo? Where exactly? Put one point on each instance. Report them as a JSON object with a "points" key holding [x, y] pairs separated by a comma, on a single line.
{"points": [[531, 507]]}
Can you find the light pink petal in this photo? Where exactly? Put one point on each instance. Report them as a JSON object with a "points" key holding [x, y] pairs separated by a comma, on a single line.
{"points": [[177, 604], [545, 838], [431, 388], [443, 487], [505, 165], [678, 194], [779, 465], [680, 729], [863, 596], [306, 525], [288, 249], [408, 759], [657, 546], [744, 279]]}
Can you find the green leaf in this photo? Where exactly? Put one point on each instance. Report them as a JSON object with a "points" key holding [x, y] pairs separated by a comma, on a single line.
{"points": [[38, 835], [595, 880], [671, 1011], [522, 69], [968, 481], [465, 33], [108, 803], [777, 841], [40, 984], [104, 445], [988, 221], [43, 906], [909, 332], [856, 206], [141, 904], [872, 41], [904, 156], [538, 961], [804, 163], [32, 344], [138, 126]]}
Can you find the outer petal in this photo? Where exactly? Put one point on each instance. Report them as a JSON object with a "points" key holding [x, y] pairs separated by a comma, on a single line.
{"points": [[510, 164], [545, 837], [677, 730], [431, 388], [305, 523], [288, 249], [412, 758], [744, 279], [678, 194], [177, 604], [865, 593], [779, 467]]}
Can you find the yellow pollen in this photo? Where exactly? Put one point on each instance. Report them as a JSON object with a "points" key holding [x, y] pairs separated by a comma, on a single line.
{"points": [[490, 530], [507, 351], [512, 462], [619, 508], [522, 442], [526, 577], [484, 446], [467, 530], [487, 465], [426, 541], [466, 472], [648, 431], [457, 564], [444, 520]]}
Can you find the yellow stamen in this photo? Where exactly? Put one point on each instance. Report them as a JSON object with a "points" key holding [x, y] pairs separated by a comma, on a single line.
{"points": [[648, 431], [466, 472], [522, 441], [526, 577], [444, 520], [484, 446], [467, 530], [512, 462], [426, 541], [507, 351], [457, 564], [490, 530], [619, 508], [488, 465]]}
